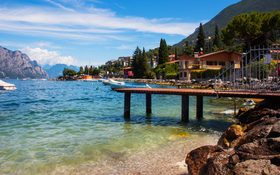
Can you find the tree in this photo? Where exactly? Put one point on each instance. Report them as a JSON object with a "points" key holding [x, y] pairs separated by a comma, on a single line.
{"points": [[200, 43], [86, 70], [163, 52], [176, 53], [217, 43], [136, 63], [81, 71], [251, 29], [144, 64], [96, 71], [69, 72], [90, 70], [188, 50], [140, 63]]}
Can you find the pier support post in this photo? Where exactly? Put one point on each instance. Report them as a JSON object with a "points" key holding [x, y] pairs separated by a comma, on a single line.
{"points": [[185, 108], [199, 107], [127, 98], [148, 103]]}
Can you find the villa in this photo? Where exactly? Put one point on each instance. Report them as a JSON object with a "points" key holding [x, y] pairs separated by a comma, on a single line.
{"points": [[212, 61]]}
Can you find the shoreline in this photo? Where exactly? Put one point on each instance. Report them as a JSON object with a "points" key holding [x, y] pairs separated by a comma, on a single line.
{"points": [[165, 160]]}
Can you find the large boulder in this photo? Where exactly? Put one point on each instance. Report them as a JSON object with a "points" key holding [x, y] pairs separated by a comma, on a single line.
{"points": [[253, 115], [256, 167], [197, 158], [219, 164], [250, 147]]}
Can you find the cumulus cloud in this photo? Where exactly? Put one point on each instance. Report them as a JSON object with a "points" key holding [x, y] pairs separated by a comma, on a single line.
{"points": [[44, 56]]}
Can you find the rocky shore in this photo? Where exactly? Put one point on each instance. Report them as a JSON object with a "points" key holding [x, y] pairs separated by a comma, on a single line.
{"points": [[252, 146]]}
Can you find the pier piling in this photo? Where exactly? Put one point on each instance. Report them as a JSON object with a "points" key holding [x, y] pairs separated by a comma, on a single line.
{"points": [[148, 103], [199, 107], [185, 93], [185, 108], [127, 99]]}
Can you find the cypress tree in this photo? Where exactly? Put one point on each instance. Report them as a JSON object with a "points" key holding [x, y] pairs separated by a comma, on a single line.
{"points": [[200, 43], [176, 53], [136, 64], [81, 71], [144, 61], [91, 70], [188, 50], [163, 52], [217, 43], [86, 70]]}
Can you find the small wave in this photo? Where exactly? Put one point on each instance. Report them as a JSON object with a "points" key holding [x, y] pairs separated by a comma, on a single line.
{"points": [[227, 112]]}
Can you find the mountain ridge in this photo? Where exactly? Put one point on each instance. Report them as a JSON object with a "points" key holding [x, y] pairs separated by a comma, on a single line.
{"points": [[56, 70], [15, 64]]}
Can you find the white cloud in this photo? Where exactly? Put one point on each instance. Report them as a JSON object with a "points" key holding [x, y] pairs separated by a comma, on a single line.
{"points": [[44, 56], [124, 47], [60, 5], [91, 24]]}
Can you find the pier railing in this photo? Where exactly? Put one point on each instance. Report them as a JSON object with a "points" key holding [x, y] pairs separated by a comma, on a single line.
{"points": [[259, 72]]}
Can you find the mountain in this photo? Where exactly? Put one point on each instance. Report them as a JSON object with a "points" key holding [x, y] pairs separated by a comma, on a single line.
{"points": [[228, 13], [15, 64], [57, 69]]}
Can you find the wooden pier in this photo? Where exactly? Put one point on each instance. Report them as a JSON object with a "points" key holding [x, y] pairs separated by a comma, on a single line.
{"points": [[185, 93]]}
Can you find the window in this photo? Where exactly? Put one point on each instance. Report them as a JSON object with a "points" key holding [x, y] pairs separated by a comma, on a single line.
{"points": [[222, 63], [185, 74], [209, 63]]}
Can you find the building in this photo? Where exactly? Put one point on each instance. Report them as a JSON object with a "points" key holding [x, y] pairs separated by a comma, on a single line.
{"points": [[153, 62], [213, 61], [171, 57], [127, 72], [186, 64], [125, 61]]}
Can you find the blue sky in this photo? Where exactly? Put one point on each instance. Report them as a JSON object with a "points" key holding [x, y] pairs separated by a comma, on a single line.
{"points": [[82, 32]]}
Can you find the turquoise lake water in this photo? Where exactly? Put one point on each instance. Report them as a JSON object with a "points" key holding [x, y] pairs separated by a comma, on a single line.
{"points": [[45, 124]]}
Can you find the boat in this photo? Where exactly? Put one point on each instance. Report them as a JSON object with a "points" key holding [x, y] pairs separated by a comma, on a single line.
{"points": [[105, 81], [118, 84], [7, 86], [115, 84]]}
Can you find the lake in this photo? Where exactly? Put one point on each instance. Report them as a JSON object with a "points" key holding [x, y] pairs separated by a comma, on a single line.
{"points": [[50, 124]]}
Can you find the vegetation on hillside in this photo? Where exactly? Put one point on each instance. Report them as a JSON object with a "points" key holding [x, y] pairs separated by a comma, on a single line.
{"points": [[223, 18], [251, 29]]}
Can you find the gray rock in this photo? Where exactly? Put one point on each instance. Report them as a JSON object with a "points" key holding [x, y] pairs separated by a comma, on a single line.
{"points": [[15, 64]]}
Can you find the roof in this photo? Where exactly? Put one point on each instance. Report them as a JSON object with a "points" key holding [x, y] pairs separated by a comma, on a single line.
{"points": [[218, 52], [127, 68], [274, 51], [171, 62], [186, 57]]}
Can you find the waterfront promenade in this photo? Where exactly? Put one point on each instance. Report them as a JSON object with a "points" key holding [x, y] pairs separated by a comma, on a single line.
{"points": [[185, 93]]}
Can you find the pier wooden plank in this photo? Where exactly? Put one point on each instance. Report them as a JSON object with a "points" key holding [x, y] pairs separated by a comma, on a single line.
{"points": [[202, 92]]}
